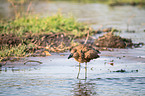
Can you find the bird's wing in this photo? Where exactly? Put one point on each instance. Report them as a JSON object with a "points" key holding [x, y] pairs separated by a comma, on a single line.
{"points": [[91, 54]]}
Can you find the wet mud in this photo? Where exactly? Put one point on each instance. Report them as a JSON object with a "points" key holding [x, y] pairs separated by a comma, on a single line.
{"points": [[109, 40], [45, 44], [53, 42], [9, 40]]}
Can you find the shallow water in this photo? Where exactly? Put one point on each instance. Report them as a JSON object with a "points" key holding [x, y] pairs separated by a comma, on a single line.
{"points": [[56, 76]]}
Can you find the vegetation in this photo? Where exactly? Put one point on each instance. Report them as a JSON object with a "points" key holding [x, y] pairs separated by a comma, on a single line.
{"points": [[35, 25], [14, 51]]}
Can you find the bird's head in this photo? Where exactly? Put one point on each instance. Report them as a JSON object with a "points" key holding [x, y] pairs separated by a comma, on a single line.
{"points": [[71, 55], [72, 52]]}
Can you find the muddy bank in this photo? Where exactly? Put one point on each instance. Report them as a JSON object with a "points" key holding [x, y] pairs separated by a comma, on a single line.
{"points": [[109, 40], [39, 44], [44, 44], [52, 42], [9, 40]]}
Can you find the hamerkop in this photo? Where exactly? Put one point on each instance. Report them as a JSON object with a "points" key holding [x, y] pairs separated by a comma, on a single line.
{"points": [[83, 53]]}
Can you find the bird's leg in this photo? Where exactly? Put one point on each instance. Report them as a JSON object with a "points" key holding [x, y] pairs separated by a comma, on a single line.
{"points": [[85, 71], [79, 70]]}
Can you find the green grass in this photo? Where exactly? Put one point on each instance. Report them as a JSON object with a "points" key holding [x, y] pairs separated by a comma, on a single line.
{"points": [[14, 51], [17, 51], [35, 24]]}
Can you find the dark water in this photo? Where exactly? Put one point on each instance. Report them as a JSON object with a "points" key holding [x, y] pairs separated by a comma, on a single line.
{"points": [[57, 75]]}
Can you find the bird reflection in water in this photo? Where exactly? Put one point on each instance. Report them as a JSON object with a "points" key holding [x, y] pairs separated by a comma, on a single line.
{"points": [[83, 88]]}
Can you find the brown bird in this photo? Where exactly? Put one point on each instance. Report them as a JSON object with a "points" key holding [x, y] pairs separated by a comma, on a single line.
{"points": [[84, 53]]}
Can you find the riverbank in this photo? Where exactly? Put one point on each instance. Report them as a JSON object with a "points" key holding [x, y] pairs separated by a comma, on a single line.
{"points": [[30, 33], [36, 36]]}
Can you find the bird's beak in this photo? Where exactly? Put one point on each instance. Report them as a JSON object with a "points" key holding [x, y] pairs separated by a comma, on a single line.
{"points": [[98, 51], [71, 55]]}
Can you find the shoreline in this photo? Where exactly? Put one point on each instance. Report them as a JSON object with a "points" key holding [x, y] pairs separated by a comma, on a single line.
{"points": [[119, 54]]}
